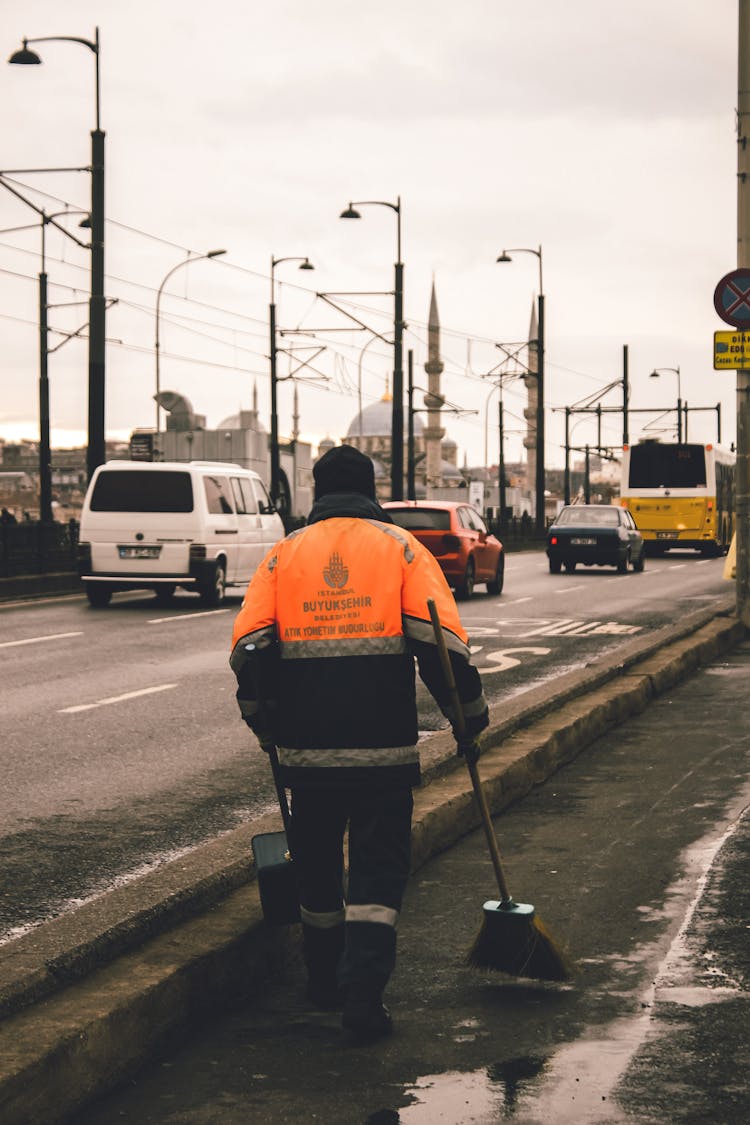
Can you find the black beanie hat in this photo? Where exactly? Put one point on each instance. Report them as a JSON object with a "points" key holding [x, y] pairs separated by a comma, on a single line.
{"points": [[344, 469]]}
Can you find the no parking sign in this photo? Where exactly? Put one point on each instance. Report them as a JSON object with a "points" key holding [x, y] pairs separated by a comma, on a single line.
{"points": [[732, 298]]}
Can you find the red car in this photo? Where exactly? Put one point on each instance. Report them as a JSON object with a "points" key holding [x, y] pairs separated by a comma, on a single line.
{"points": [[457, 536]]}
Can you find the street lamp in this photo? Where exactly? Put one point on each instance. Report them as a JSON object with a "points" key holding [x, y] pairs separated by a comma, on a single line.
{"points": [[96, 454], [174, 269], [540, 475], [676, 371], [305, 264], [397, 416]]}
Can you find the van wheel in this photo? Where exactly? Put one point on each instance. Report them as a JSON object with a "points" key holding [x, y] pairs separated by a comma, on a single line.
{"points": [[98, 594], [164, 594], [213, 592]]}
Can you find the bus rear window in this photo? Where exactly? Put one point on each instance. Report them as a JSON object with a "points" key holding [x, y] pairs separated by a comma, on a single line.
{"points": [[142, 491], [653, 465]]}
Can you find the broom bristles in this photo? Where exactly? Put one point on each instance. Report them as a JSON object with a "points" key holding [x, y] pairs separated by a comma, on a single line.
{"points": [[521, 947]]}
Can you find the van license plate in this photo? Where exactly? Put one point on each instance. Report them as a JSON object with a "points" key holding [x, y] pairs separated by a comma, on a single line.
{"points": [[583, 542], [139, 552]]}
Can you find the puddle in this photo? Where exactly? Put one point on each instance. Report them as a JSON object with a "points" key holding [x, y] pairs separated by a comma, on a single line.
{"points": [[478, 1097]]}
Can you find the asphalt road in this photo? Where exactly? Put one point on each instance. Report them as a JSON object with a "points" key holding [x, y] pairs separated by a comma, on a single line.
{"points": [[121, 742]]}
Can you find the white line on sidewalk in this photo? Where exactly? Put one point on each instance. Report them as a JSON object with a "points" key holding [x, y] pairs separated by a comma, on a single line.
{"points": [[38, 640], [115, 699], [185, 616]]}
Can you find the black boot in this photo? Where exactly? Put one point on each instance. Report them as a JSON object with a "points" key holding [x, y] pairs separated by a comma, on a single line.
{"points": [[323, 949], [365, 1016]]}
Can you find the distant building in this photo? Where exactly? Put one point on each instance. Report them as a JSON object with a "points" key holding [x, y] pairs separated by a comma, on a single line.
{"points": [[240, 439]]}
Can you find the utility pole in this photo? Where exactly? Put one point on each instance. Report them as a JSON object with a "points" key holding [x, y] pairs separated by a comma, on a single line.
{"points": [[743, 261], [540, 474], [411, 484], [625, 396], [501, 466]]}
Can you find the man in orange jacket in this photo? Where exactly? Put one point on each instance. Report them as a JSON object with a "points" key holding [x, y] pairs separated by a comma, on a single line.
{"points": [[323, 650]]}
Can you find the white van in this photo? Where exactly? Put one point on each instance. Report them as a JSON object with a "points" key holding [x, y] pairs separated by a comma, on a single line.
{"points": [[202, 525]]}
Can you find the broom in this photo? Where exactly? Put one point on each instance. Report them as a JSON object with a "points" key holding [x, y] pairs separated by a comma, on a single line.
{"points": [[512, 938]]}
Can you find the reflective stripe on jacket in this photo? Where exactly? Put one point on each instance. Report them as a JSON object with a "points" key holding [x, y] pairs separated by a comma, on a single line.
{"points": [[324, 646]]}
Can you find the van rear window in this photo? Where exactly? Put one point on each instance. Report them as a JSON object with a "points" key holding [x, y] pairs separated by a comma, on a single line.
{"points": [[142, 491]]}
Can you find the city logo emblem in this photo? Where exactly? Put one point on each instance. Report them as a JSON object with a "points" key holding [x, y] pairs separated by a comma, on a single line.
{"points": [[336, 574]]}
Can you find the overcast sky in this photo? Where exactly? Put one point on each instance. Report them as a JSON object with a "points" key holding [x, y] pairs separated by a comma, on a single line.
{"points": [[604, 133]]}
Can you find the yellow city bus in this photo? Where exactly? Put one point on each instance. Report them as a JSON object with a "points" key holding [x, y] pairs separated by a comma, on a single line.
{"points": [[680, 495]]}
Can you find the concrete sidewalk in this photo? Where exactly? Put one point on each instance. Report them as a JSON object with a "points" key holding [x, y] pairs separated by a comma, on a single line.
{"points": [[88, 997]]}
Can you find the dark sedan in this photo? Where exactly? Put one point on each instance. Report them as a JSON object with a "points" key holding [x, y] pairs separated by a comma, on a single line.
{"points": [[594, 535]]}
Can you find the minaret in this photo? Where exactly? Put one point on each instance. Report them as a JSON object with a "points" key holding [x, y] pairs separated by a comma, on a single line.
{"points": [[433, 432], [531, 379], [295, 415]]}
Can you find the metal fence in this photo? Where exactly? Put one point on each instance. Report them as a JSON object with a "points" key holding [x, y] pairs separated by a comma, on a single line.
{"points": [[517, 533], [30, 547]]}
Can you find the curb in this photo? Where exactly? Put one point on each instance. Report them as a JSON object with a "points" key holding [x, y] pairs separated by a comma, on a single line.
{"points": [[90, 995]]}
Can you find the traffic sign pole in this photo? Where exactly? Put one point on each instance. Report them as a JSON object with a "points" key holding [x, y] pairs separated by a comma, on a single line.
{"points": [[742, 493]]}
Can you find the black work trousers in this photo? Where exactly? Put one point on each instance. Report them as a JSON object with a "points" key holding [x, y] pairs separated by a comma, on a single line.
{"points": [[379, 822]]}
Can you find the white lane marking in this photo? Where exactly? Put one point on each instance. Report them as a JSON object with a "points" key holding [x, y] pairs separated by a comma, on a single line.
{"points": [[677, 566], [506, 659], [517, 601], [567, 589], [114, 699], [38, 640], [185, 616]]}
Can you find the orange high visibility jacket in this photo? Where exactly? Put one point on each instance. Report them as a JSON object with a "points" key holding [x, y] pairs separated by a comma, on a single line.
{"points": [[324, 645]]}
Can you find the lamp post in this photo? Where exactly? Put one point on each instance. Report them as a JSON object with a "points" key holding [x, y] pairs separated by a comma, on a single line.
{"points": [[397, 416], [306, 264], [157, 344], [45, 453], [96, 453], [676, 371], [540, 475]]}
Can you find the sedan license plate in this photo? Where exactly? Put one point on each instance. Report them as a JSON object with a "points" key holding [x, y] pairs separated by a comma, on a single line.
{"points": [[583, 542], [139, 552]]}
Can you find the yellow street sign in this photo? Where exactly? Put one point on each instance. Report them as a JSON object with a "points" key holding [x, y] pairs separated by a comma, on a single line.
{"points": [[731, 350]]}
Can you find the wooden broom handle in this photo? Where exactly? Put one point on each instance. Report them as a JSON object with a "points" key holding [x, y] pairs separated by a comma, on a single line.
{"points": [[460, 726]]}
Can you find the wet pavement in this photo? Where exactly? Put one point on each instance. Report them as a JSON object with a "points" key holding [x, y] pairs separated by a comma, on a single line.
{"points": [[636, 856]]}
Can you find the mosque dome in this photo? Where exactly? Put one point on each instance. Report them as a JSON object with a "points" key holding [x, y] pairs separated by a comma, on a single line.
{"points": [[376, 420], [244, 420]]}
